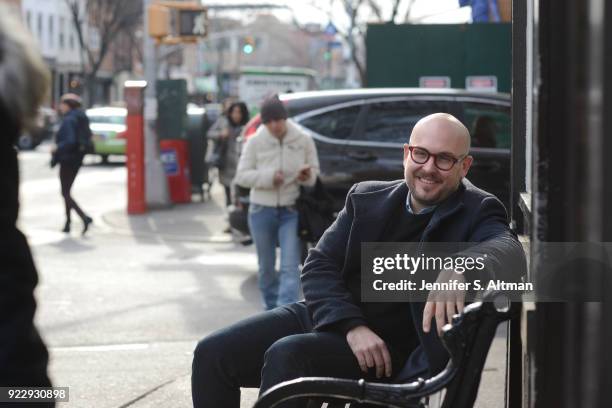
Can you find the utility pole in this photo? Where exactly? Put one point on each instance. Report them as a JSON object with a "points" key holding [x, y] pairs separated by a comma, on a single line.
{"points": [[156, 184]]}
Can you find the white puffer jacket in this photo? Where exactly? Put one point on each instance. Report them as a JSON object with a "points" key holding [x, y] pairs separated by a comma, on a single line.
{"points": [[264, 154]]}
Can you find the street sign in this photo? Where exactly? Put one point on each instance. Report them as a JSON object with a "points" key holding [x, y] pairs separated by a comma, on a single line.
{"points": [[481, 83], [169, 159], [435, 82], [330, 29]]}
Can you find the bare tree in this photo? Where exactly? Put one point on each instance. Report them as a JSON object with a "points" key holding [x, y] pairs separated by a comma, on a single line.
{"points": [[107, 18], [355, 34]]}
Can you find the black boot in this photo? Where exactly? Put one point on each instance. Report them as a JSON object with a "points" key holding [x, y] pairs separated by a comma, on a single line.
{"points": [[66, 228], [87, 221]]}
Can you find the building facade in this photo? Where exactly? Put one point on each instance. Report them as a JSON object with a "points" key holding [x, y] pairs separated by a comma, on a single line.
{"points": [[50, 23]]}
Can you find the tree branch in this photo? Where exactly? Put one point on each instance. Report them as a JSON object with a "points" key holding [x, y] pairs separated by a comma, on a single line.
{"points": [[408, 10], [376, 8], [394, 12], [109, 18]]}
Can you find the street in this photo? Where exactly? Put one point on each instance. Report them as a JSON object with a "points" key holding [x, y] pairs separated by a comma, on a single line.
{"points": [[121, 309]]}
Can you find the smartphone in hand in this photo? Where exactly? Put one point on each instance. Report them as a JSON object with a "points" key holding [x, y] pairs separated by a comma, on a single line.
{"points": [[304, 173]]}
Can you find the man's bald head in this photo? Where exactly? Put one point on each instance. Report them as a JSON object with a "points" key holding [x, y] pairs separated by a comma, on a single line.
{"points": [[446, 124], [442, 146]]}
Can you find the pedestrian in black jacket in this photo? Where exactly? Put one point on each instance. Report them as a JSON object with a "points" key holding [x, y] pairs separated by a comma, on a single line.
{"points": [[71, 143], [24, 81], [336, 334]]}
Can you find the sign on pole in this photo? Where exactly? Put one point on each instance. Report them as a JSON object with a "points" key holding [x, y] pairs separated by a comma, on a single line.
{"points": [[481, 83], [435, 82]]}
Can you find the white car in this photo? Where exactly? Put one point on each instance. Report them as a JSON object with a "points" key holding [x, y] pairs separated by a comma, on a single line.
{"points": [[108, 125]]}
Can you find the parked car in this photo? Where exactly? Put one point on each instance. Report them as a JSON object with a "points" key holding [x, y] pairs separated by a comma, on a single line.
{"points": [[359, 135], [45, 127], [108, 125]]}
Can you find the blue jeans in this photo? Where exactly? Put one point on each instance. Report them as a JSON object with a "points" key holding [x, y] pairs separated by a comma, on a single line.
{"points": [[271, 226]]}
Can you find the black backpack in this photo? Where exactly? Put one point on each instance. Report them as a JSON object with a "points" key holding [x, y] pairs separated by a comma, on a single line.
{"points": [[84, 135], [315, 208]]}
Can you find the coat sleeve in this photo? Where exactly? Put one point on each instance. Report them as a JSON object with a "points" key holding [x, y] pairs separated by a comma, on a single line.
{"points": [[247, 174], [505, 257], [214, 133], [327, 298], [312, 159]]}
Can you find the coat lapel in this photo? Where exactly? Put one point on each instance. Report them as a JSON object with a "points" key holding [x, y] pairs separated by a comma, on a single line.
{"points": [[374, 211]]}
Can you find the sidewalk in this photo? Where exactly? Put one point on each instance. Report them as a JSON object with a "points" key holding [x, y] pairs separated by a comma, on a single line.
{"points": [[193, 222]]}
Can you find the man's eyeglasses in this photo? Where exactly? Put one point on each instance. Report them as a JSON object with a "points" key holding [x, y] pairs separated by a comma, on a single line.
{"points": [[442, 161]]}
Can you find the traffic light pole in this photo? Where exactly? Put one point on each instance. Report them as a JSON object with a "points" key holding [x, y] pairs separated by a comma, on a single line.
{"points": [[156, 184]]}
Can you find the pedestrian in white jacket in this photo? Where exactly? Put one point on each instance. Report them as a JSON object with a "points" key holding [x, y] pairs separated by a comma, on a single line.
{"points": [[275, 162]]}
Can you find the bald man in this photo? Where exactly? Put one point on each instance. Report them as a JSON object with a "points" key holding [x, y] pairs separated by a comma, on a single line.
{"points": [[333, 332]]}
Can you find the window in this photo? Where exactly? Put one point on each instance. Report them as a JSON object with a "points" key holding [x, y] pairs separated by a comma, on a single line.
{"points": [[489, 125], [62, 23], [29, 19], [392, 122], [336, 124], [51, 31], [108, 119], [71, 40], [39, 25]]}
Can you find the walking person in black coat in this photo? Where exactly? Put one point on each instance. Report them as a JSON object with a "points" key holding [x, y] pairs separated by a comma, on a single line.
{"points": [[24, 80], [72, 142]]}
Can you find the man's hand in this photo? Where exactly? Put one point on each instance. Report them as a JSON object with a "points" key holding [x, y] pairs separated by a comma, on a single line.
{"points": [[370, 350], [304, 173], [279, 178], [444, 304]]}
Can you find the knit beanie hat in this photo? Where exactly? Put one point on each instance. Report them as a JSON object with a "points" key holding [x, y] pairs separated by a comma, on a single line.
{"points": [[272, 109]]}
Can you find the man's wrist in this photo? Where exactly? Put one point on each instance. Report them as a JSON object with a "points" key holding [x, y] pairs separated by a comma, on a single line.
{"points": [[345, 326]]}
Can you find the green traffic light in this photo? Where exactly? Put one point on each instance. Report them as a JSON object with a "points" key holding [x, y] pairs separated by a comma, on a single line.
{"points": [[247, 49]]}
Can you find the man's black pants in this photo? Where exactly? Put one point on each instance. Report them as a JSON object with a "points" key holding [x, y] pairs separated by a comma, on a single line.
{"points": [[267, 349]]}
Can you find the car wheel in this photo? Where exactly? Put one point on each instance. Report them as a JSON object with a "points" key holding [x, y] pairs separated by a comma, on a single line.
{"points": [[25, 142], [104, 158]]}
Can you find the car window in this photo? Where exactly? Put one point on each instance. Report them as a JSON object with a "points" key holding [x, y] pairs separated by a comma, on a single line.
{"points": [[336, 124], [392, 122], [114, 120], [489, 125]]}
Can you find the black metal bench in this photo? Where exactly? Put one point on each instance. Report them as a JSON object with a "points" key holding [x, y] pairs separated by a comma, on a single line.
{"points": [[467, 340]]}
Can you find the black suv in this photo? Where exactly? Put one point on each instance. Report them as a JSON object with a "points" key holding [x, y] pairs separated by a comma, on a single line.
{"points": [[359, 135]]}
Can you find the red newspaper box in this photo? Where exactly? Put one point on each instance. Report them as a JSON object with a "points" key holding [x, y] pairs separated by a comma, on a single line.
{"points": [[134, 98], [174, 155]]}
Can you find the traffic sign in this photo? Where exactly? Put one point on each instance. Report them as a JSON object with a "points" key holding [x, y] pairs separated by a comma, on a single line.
{"points": [[481, 83], [434, 82], [192, 23], [330, 29]]}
